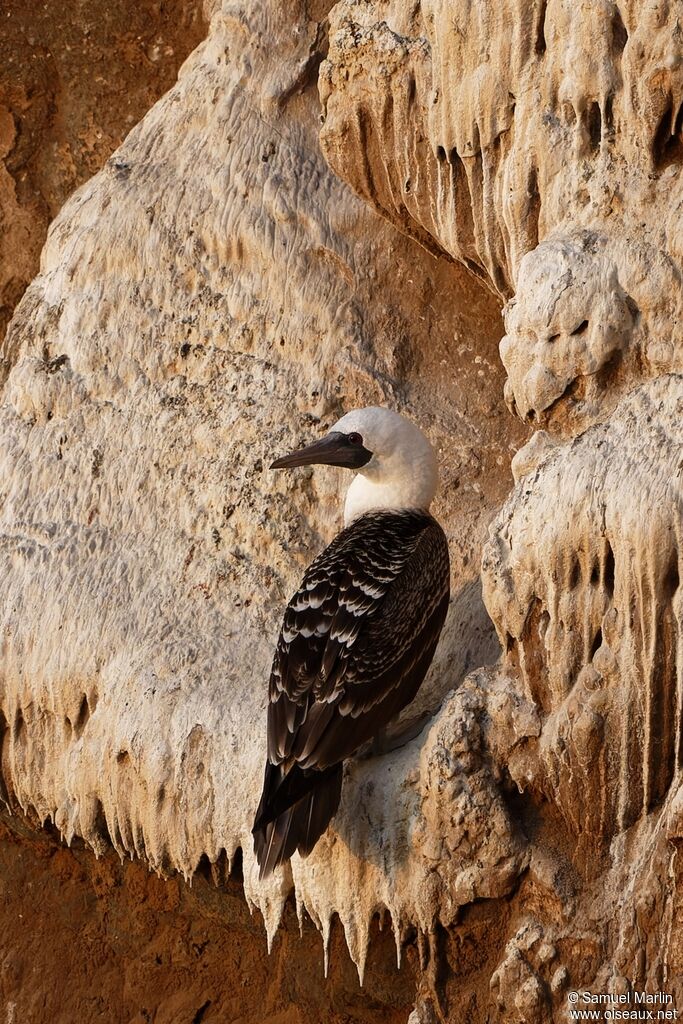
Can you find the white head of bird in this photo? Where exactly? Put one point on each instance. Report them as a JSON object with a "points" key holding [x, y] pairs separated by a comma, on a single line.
{"points": [[395, 464]]}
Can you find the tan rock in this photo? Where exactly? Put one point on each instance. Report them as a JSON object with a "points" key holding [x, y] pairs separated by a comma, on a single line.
{"points": [[185, 328], [214, 295], [72, 85]]}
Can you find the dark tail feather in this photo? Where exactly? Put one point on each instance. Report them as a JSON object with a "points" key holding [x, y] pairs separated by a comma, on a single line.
{"points": [[298, 827], [282, 790], [318, 809]]}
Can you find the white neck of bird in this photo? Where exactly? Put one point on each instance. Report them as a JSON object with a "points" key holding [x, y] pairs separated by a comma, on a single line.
{"points": [[396, 482]]}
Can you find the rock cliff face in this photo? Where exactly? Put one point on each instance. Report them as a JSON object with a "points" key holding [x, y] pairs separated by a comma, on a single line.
{"points": [[215, 294], [74, 79]]}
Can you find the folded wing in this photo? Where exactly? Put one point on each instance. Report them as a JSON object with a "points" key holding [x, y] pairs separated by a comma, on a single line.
{"points": [[356, 642]]}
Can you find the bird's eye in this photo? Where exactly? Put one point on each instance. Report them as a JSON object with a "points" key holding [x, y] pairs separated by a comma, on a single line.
{"points": [[355, 438]]}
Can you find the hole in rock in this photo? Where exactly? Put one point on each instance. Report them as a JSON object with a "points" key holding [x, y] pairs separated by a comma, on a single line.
{"points": [[667, 147], [575, 573], [499, 279], [672, 578], [438, 956], [458, 171], [571, 392], [595, 573], [534, 207], [619, 33], [440, 153], [597, 642], [594, 125], [100, 823], [139, 843], [633, 308], [199, 1015], [412, 90], [165, 864], [377, 920], [19, 729], [609, 570], [408, 936], [203, 869], [236, 868], [83, 716], [541, 45], [583, 326], [605, 376]]}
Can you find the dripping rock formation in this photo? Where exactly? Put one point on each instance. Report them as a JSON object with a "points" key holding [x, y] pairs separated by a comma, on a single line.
{"points": [[468, 211]]}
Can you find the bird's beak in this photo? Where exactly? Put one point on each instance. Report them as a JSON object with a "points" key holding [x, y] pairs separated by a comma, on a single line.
{"points": [[334, 449]]}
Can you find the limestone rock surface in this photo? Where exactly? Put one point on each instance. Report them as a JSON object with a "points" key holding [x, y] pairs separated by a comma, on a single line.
{"points": [[184, 329], [74, 79], [217, 294]]}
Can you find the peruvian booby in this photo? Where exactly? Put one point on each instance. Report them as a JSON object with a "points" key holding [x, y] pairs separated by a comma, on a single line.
{"points": [[359, 634]]}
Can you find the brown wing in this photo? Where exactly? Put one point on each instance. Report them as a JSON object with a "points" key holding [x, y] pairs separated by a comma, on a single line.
{"points": [[357, 637]]}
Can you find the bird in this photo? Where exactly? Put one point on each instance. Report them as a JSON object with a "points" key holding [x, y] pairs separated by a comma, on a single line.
{"points": [[361, 631]]}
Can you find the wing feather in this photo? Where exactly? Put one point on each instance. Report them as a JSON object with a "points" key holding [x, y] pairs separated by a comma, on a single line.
{"points": [[357, 637]]}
